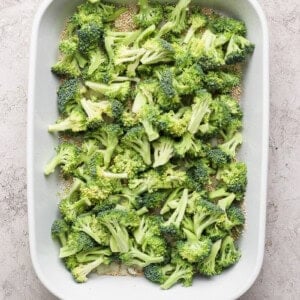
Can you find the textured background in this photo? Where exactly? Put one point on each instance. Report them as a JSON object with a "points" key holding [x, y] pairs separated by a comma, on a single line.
{"points": [[280, 275]]}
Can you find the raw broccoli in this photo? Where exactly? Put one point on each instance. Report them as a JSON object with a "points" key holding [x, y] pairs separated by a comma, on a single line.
{"points": [[191, 146], [216, 232], [59, 231], [136, 139], [230, 147], [96, 257], [198, 175], [228, 254], [196, 21], [117, 222], [217, 158], [158, 273], [76, 242], [229, 25], [238, 49], [148, 14], [145, 95], [76, 122], [119, 90], [235, 217], [199, 109], [210, 266], [67, 156], [163, 151], [152, 200]]}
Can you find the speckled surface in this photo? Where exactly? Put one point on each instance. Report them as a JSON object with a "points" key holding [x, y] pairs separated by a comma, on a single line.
{"points": [[280, 275]]}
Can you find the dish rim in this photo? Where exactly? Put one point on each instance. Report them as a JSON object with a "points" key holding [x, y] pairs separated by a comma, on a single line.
{"points": [[30, 136]]}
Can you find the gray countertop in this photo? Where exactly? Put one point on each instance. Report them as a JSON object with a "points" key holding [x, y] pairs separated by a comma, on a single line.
{"points": [[280, 275]]}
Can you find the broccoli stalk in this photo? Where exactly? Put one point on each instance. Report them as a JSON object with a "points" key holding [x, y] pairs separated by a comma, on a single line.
{"points": [[197, 21], [163, 151], [59, 231]]}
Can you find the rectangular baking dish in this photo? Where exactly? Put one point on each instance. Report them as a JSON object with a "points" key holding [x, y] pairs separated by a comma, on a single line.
{"points": [[42, 192]]}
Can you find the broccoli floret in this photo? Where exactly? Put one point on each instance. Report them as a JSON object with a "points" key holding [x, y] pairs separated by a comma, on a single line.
{"points": [[136, 139], [196, 21], [76, 242], [96, 111], [124, 54], [210, 267], [215, 232], [91, 226], [118, 90], [225, 24], [157, 51], [128, 162], [199, 109], [108, 135], [174, 177], [117, 222], [217, 158], [205, 51], [177, 19], [206, 214], [97, 59], [198, 175], [190, 145], [183, 271], [148, 14], [230, 147], [228, 254], [158, 273], [145, 94], [163, 151], [152, 200], [96, 257], [76, 122], [220, 82], [235, 217], [238, 49], [67, 156], [69, 95], [59, 231], [67, 66]]}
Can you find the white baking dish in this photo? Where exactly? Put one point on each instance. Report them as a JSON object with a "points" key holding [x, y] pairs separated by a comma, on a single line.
{"points": [[42, 192]]}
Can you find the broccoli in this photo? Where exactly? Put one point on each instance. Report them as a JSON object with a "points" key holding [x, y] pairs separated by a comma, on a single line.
{"points": [[220, 82], [90, 225], [230, 146], [119, 90], [198, 175], [228, 254], [210, 266], [67, 156], [217, 158], [76, 122], [163, 151], [144, 95], [69, 95], [117, 223], [76, 242], [158, 273], [148, 14], [98, 257], [197, 21], [199, 109], [97, 59], [238, 49], [229, 25], [108, 135], [136, 139], [235, 217], [152, 200], [190, 145], [215, 232], [59, 231]]}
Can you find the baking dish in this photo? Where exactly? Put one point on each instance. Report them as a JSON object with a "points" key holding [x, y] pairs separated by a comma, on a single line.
{"points": [[42, 192]]}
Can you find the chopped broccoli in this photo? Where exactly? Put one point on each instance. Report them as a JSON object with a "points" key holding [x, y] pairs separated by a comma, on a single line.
{"points": [[228, 254], [59, 231], [163, 151], [225, 24], [148, 14]]}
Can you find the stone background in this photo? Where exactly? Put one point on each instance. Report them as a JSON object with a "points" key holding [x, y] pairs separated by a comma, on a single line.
{"points": [[280, 275]]}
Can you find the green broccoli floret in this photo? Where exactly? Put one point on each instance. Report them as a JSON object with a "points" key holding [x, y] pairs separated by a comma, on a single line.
{"points": [[228, 254], [174, 124], [177, 19], [191, 146], [108, 135], [229, 25], [148, 14], [157, 51], [152, 200], [69, 66], [235, 217], [183, 271], [238, 49], [230, 147], [217, 158], [76, 242], [204, 50], [206, 214], [97, 60], [147, 116], [158, 273], [128, 162], [196, 21], [145, 95], [96, 257], [215, 232], [220, 82], [67, 156], [119, 90], [91, 226], [173, 177], [200, 107], [69, 95], [117, 222], [210, 266], [198, 175], [163, 151], [136, 139], [59, 231], [76, 122]]}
